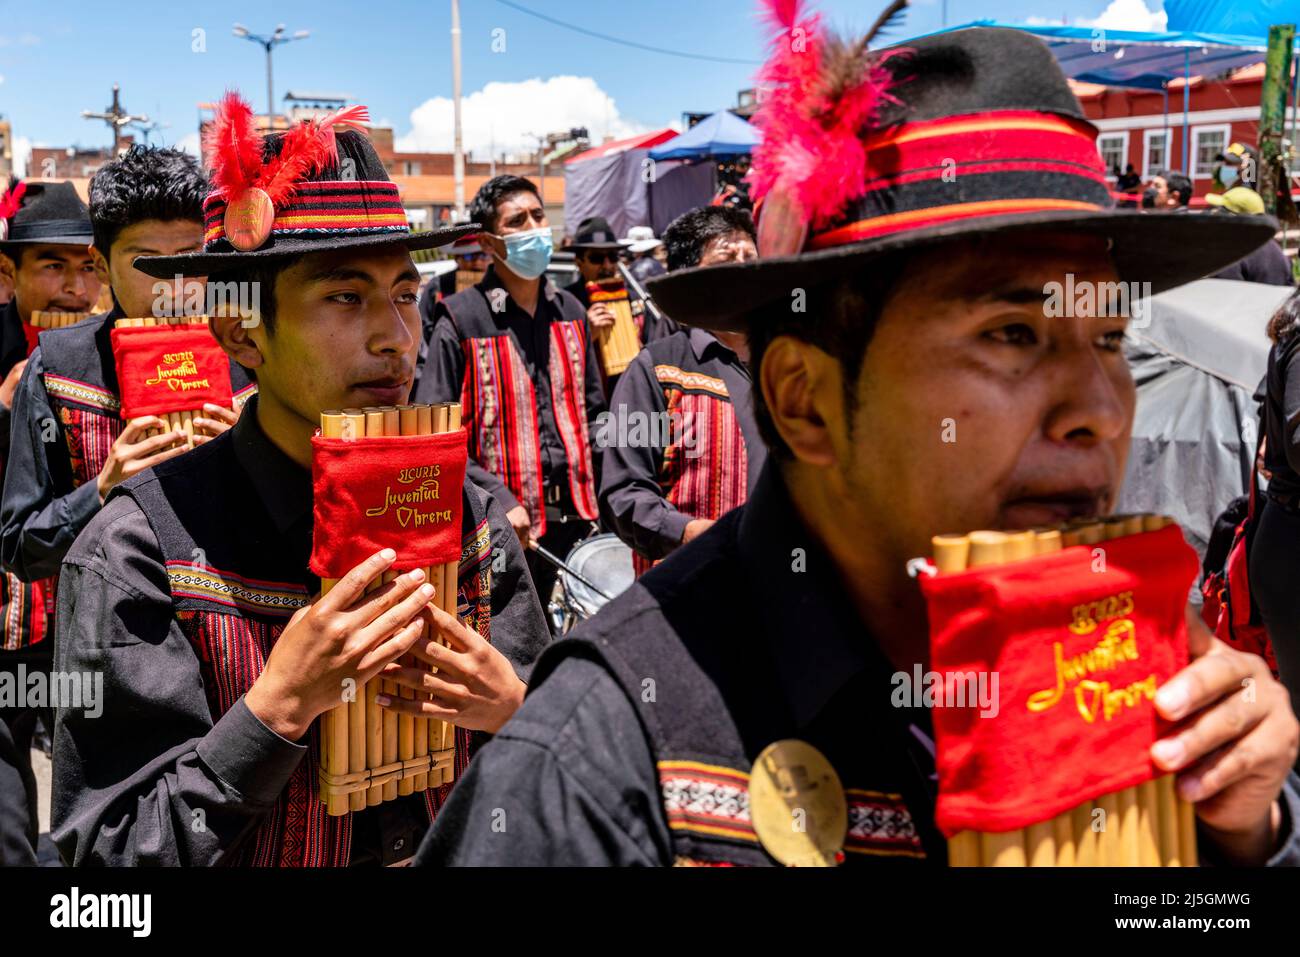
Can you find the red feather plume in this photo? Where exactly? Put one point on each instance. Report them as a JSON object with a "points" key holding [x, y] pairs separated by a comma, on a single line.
{"points": [[11, 201], [233, 147], [307, 148], [820, 95]]}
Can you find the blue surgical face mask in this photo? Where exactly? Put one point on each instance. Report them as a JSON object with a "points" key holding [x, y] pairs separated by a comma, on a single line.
{"points": [[1228, 176], [528, 253]]}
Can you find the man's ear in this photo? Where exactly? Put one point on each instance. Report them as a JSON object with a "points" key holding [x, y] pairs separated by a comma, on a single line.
{"points": [[801, 388], [491, 245], [101, 266], [233, 332]]}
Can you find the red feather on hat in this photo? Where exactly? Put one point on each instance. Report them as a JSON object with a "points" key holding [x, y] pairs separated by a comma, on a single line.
{"points": [[234, 150], [233, 147], [307, 148], [11, 201], [820, 94]]}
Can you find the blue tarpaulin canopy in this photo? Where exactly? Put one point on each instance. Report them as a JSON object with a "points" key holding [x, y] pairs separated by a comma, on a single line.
{"points": [[1231, 16], [1137, 58], [722, 134]]}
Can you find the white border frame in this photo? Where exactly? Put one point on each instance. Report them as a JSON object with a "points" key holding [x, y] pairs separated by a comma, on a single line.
{"points": [[1147, 137], [1110, 135], [1193, 148]]}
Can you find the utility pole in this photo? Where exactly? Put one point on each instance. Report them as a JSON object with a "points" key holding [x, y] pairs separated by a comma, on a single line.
{"points": [[269, 43], [116, 118], [458, 146], [1272, 113]]}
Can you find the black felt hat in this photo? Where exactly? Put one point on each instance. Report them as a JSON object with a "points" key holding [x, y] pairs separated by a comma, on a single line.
{"points": [[318, 187], [44, 212], [979, 135], [595, 233]]}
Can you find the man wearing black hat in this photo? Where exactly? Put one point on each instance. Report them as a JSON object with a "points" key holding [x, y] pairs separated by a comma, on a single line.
{"points": [[190, 590], [69, 445], [885, 314], [44, 234], [596, 252], [517, 353], [682, 448]]}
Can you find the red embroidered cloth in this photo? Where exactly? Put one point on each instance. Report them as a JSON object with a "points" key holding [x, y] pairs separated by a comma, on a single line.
{"points": [[1078, 642], [163, 369], [399, 492]]}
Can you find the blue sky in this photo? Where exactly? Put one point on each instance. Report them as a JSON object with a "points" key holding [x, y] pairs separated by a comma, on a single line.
{"points": [[393, 55]]}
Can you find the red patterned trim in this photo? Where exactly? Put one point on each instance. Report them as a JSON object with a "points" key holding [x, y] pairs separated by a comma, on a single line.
{"points": [[880, 824], [938, 215], [711, 477], [706, 799], [500, 413], [347, 206], [568, 368]]}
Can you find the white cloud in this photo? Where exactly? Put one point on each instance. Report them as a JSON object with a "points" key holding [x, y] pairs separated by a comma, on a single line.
{"points": [[1128, 15], [22, 153], [501, 116], [189, 143], [1119, 15]]}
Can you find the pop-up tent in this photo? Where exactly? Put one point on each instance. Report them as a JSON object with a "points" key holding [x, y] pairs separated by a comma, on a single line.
{"points": [[722, 134], [1197, 359], [611, 180]]}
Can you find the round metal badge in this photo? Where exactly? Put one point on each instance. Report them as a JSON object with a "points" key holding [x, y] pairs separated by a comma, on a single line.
{"points": [[797, 805], [249, 217]]}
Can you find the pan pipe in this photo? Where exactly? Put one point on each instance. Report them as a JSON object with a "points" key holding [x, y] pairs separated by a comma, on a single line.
{"points": [[184, 420], [620, 342], [56, 320], [1144, 826], [370, 754]]}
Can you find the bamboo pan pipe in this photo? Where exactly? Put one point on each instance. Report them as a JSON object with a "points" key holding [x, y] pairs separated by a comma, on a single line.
{"points": [[42, 319], [359, 737], [334, 723], [1147, 825]]}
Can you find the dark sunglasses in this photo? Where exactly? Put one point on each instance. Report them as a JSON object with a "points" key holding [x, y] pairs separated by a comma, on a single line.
{"points": [[599, 258]]}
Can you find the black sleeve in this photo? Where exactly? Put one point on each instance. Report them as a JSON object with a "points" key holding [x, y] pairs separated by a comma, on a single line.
{"points": [[1270, 265], [144, 775], [1291, 410], [15, 815], [568, 781], [443, 380], [519, 628], [632, 502], [38, 519]]}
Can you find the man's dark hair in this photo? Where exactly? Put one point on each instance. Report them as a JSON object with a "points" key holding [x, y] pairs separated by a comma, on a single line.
{"points": [[146, 182], [839, 317], [483, 209], [1178, 185], [688, 234]]}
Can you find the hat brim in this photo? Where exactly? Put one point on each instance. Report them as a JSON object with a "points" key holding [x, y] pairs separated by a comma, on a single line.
{"points": [[1163, 249], [643, 245], [49, 241], [619, 244], [205, 264]]}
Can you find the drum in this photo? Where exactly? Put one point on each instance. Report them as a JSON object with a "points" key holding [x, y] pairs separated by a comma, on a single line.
{"points": [[604, 562]]}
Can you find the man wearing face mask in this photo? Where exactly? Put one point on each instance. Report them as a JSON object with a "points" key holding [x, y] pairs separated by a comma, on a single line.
{"points": [[1168, 192], [517, 353]]}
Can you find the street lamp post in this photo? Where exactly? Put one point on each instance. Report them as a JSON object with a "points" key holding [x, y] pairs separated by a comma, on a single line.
{"points": [[269, 43]]}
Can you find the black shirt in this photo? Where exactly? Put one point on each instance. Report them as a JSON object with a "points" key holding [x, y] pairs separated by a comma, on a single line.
{"points": [[1267, 264], [573, 772], [632, 501], [130, 782], [444, 372]]}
